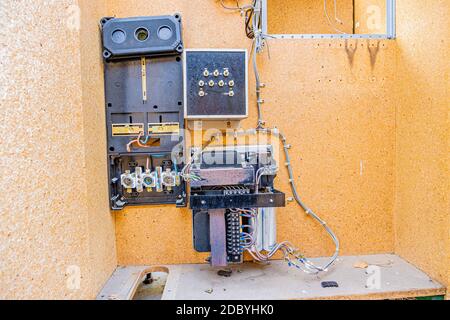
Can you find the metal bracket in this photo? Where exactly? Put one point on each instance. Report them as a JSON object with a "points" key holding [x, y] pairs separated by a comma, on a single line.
{"points": [[390, 27]]}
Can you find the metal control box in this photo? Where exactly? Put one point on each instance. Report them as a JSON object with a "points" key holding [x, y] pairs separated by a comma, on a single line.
{"points": [[216, 84]]}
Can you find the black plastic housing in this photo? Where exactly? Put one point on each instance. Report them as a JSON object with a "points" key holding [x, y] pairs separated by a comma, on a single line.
{"points": [[121, 36], [144, 92]]}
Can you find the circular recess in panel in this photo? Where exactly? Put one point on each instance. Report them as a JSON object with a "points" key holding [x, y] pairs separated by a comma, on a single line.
{"points": [[165, 33], [118, 36], [141, 34]]}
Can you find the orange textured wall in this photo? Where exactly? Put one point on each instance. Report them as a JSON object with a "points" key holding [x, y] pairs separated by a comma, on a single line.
{"points": [[422, 218], [368, 122], [101, 224], [333, 100], [308, 16], [56, 239], [370, 16]]}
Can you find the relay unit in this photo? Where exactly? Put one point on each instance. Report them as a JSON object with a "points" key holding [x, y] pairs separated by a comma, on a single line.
{"points": [[231, 200], [144, 110]]}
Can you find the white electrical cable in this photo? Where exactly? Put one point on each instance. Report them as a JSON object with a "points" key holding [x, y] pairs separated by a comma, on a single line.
{"points": [[335, 16]]}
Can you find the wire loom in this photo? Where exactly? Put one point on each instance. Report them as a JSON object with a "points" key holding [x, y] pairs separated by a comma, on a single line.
{"points": [[292, 255]]}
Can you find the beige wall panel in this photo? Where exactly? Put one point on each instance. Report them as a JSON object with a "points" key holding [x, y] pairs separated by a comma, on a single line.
{"points": [[48, 237], [43, 212], [363, 118], [370, 16], [334, 103], [102, 242], [422, 218]]}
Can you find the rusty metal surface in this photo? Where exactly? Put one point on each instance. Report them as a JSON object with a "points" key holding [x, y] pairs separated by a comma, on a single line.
{"points": [[218, 238], [224, 177]]}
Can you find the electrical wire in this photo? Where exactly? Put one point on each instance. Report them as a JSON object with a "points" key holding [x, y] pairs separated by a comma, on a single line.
{"points": [[139, 142], [291, 255], [237, 8], [325, 4], [130, 144], [186, 171], [311, 267]]}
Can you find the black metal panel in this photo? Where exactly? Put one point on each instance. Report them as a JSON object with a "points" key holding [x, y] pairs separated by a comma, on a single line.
{"points": [[125, 104], [205, 200], [201, 231], [141, 36], [121, 198], [129, 109], [216, 101], [224, 177]]}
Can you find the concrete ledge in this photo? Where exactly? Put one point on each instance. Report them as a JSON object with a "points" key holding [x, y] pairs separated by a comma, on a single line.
{"points": [[397, 279]]}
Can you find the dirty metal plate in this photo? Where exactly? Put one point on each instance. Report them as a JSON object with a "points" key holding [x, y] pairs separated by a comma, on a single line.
{"points": [[224, 177], [217, 201], [218, 238]]}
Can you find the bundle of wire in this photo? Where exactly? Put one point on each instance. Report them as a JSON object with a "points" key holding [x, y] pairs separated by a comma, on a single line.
{"points": [[141, 143], [291, 254], [186, 173]]}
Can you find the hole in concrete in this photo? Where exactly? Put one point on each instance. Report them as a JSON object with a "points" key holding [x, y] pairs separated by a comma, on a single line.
{"points": [[152, 285]]}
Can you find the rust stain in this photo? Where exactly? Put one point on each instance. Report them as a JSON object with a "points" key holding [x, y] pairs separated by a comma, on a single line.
{"points": [[350, 49], [373, 52]]}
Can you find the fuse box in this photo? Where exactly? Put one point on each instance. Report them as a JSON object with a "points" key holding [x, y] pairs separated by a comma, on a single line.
{"points": [[144, 110]]}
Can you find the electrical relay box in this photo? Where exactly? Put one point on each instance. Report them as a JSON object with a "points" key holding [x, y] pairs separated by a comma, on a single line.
{"points": [[144, 110], [216, 84], [233, 201]]}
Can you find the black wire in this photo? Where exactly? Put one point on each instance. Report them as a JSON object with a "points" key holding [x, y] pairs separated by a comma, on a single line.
{"points": [[249, 31], [248, 24]]}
